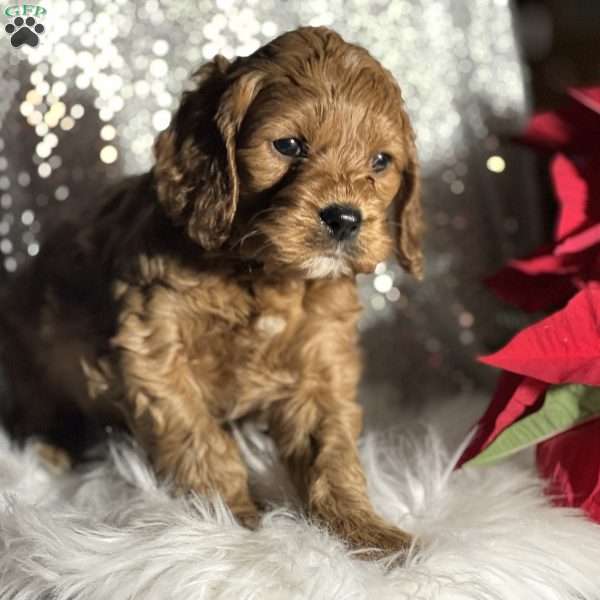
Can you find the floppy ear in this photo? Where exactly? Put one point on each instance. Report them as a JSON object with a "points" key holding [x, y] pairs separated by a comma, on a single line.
{"points": [[195, 171], [409, 216]]}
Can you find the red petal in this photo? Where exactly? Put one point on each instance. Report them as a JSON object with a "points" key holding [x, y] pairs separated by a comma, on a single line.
{"points": [[580, 241], [515, 397], [537, 283], [548, 130], [589, 97], [572, 193], [563, 348], [591, 506], [571, 462], [531, 293], [574, 127], [543, 264]]}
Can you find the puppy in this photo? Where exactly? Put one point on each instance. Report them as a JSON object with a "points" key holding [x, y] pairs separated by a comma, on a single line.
{"points": [[220, 284]]}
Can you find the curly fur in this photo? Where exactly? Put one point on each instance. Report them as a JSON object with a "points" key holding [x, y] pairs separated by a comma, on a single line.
{"points": [[208, 290]]}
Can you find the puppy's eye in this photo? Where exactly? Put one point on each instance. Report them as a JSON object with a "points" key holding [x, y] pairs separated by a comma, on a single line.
{"points": [[290, 147], [380, 162]]}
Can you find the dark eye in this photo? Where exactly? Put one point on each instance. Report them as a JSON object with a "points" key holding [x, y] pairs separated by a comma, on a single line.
{"points": [[290, 147], [381, 161]]}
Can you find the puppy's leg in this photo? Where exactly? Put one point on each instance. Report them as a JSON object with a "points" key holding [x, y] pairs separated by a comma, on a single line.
{"points": [[166, 407], [197, 454], [316, 435]]}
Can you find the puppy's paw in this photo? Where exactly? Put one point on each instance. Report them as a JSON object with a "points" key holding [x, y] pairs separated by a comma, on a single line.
{"points": [[249, 520], [55, 459], [369, 535], [378, 540], [247, 515]]}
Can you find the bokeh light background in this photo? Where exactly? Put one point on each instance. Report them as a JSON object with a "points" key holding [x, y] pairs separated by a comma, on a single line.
{"points": [[83, 108]]}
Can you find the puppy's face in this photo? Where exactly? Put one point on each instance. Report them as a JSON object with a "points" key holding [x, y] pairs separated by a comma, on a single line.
{"points": [[316, 173]]}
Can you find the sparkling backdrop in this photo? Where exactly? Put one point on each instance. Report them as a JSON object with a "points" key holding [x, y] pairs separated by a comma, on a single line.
{"points": [[83, 107]]}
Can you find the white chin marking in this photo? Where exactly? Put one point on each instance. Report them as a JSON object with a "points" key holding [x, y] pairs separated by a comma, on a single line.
{"points": [[320, 267]]}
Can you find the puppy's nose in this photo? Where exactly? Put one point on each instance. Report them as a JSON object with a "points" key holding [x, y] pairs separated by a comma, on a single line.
{"points": [[343, 222]]}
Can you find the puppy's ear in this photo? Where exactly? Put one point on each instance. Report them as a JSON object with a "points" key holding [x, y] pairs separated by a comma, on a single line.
{"points": [[195, 171], [409, 217]]}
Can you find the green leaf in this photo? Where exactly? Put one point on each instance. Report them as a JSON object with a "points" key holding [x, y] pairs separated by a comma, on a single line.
{"points": [[565, 406]]}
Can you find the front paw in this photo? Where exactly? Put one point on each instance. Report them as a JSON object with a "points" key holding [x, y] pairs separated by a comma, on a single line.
{"points": [[368, 533], [246, 514], [376, 539], [57, 460], [248, 519]]}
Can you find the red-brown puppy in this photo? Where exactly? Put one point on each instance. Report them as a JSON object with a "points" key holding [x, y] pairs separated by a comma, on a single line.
{"points": [[221, 283]]}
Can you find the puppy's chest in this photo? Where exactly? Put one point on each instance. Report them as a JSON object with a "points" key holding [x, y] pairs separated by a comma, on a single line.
{"points": [[255, 359]]}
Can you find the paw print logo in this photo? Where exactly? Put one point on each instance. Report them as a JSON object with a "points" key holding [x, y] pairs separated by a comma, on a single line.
{"points": [[24, 31]]}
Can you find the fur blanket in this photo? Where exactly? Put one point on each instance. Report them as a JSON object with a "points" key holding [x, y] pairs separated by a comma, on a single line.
{"points": [[111, 532]]}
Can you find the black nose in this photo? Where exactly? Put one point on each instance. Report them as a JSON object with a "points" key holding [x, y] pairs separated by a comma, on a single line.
{"points": [[343, 222]]}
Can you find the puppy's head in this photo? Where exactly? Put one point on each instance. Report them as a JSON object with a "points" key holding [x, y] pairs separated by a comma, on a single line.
{"points": [[300, 157]]}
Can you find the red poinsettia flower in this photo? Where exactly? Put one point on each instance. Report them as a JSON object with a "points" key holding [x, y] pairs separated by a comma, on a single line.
{"points": [[555, 272], [562, 348], [516, 396], [554, 365], [570, 462], [572, 128]]}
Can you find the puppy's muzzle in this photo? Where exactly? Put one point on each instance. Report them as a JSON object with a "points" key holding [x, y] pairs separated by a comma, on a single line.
{"points": [[342, 222]]}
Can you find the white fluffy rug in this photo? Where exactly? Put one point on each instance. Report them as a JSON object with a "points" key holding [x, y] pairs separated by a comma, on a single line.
{"points": [[112, 534]]}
